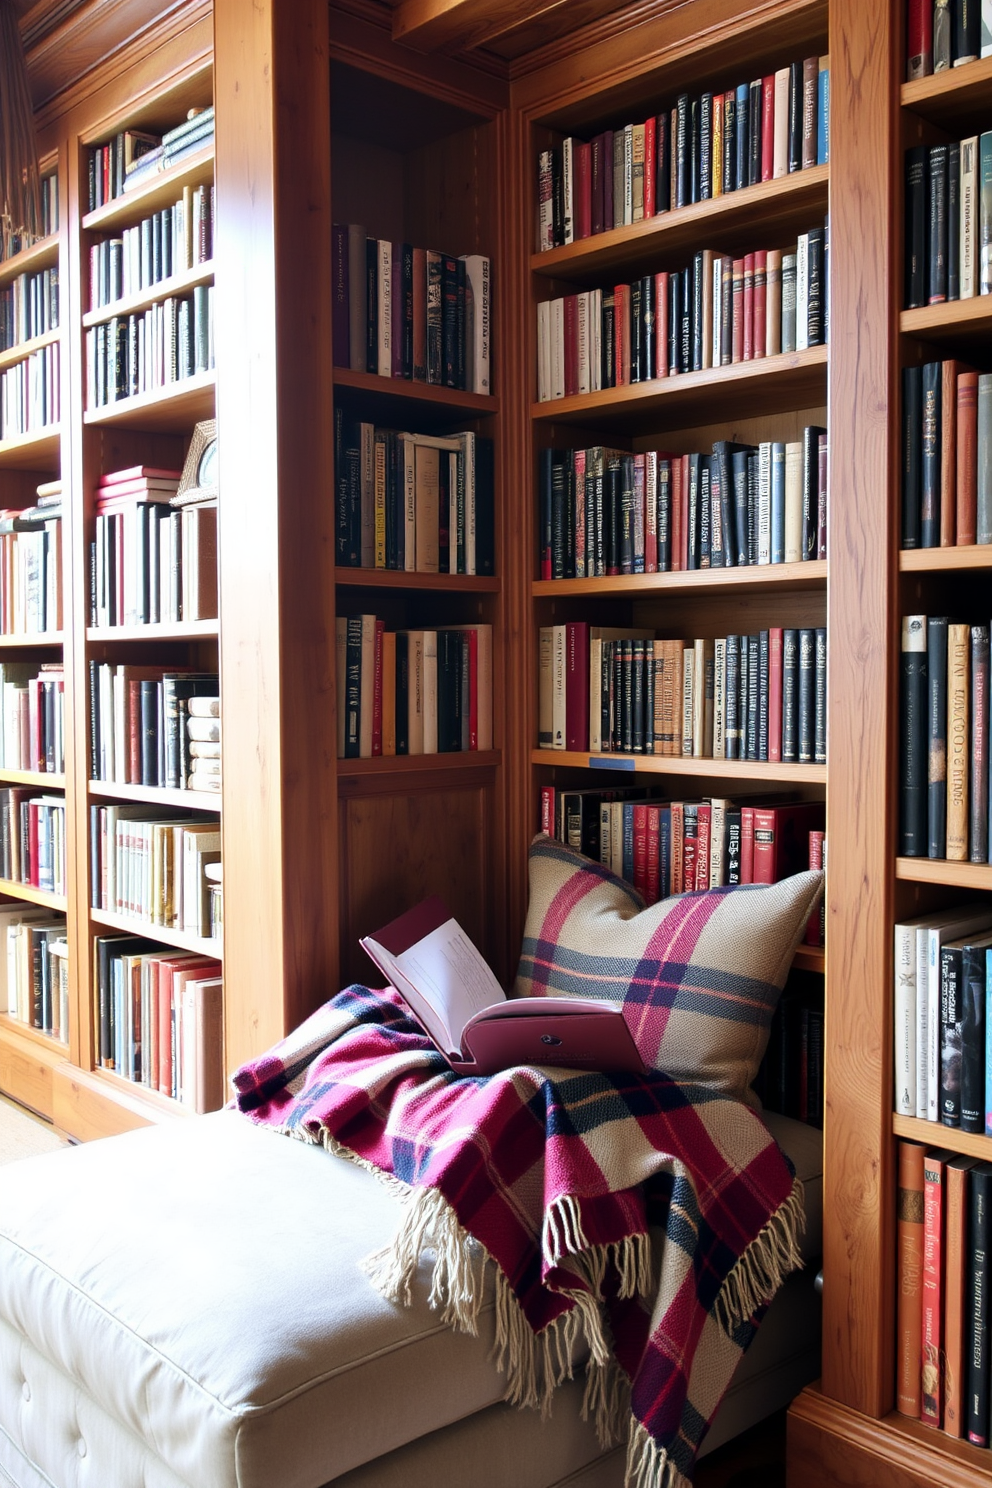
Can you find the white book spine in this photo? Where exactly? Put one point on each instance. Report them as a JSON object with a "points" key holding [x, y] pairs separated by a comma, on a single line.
{"points": [[582, 320], [780, 154], [384, 316], [905, 1019], [716, 350], [793, 502], [802, 292], [719, 697], [544, 351], [764, 502], [921, 1023], [688, 695], [558, 687], [985, 48], [969, 182], [596, 340], [479, 367], [557, 348]]}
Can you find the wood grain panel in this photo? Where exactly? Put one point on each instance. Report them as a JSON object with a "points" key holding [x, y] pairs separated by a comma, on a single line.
{"points": [[26, 1068], [88, 1105]]}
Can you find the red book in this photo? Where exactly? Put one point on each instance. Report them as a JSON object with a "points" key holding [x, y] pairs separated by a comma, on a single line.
{"points": [[814, 926], [932, 1315], [641, 850], [747, 844], [967, 459], [134, 733], [767, 126], [548, 809], [582, 210], [909, 1277], [821, 496], [781, 839], [650, 135], [596, 149], [678, 823], [675, 515], [139, 472], [747, 321], [577, 685], [621, 334], [653, 893], [684, 513], [737, 311], [955, 1282], [775, 693], [703, 830], [690, 852], [571, 315], [919, 39], [399, 309], [759, 303], [380, 628], [661, 324]]}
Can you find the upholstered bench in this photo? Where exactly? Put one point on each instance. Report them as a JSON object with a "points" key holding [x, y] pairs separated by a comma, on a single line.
{"points": [[182, 1307]]}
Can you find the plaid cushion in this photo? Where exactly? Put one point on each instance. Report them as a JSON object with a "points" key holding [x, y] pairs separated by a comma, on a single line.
{"points": [[699, 974]]}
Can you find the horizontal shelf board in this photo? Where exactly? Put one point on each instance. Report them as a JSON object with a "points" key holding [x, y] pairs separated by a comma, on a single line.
{"points": [[391, 578], [181, 939], [158, 191], [941, 871], [14, 1026], [794, 379], [174, 406], [939, 560], [32, 895], [154, 795], [41, 255], [139, 1099], [946, 97], [39, 450], [934, 1134], [132, 304], [961, 319], [411, 393], [16, 641], [179, 630], [23, 349], [808, 958], [39, 778], [724, 223], [712, 580], [661, 764], [418, 764]]}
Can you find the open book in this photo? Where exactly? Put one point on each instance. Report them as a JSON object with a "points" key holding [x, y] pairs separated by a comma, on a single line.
{"points": [[428, 958]]}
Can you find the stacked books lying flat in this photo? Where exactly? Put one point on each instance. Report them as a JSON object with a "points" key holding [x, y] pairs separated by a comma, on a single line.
{"points": [[34, 968], [161, 1019], [946, 34], [196, 132], [29, 393], [140, 718], [942, 1291], [16, 240], [701, 148], [166, 243], [605, 511], [151, 563], [412, 691], [29, 307], [683, 847], [133, 156], [132, 354], [715, 312], [31, 565], [32, 716], [32, 839], [747, 697], [944, 738], [416, 313], [790, 1078], [419, 502], [151, 868], [948, 221], [946, 456], [204, 743]]}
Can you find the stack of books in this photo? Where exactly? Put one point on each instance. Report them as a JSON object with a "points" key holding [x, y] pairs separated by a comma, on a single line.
{"points": [[203, 741], [139, 732], [31, 565], [196, 132]]}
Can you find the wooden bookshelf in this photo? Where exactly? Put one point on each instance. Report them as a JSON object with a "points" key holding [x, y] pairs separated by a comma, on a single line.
{"points": [[174, 407], [24, 349], [168, 630], [40, 779], [31, 895], [150, 795], [181, 940], [41, 255], [176, 284], [778, 577], [151, 195], [658, 764], [935, 1134], [38, 450]]}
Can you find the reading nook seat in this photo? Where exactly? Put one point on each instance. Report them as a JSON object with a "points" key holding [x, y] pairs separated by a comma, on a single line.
{"points": [[182, 1307]]}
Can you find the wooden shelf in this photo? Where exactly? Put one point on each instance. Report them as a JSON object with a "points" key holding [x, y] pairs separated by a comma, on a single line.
{"points": [[154, 795], [779, 576], [934, 1134], [16, 642], [963, 321], [99, 1103], [24, 349], [158, 191], [31, 895], [379, 578], [412, 394], [941, 871], [945, 560], [178, 284], [181, 939], [418, 764], [952, 97], [39, 450], [168, 630], [33, 1035], [776, 384], [809, 958], [40, 778], [41, 255], [732, 223], [176, 406], [660, 764]]}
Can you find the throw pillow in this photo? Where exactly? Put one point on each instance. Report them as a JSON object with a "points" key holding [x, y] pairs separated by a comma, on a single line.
{"points": [[699, 975]]}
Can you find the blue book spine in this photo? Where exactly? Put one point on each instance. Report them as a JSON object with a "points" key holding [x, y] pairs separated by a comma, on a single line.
{"points": [[778, 501], [743, 111], [988, 1043], [665, 853], [985, 212], [823, 117], [628, 842]]}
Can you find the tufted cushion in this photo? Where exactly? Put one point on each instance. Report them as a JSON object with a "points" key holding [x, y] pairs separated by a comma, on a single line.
{"points": [[699, 974]]}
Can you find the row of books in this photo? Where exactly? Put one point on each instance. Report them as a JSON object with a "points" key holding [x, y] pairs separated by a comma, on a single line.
{"points": [[683, 847], [605, 511], [943, 1286], [401, 311], [161, 1019], [945, 34], [29, 306], [14, 238], [149, 723], [29, 393], [715, 312], [150, 868], [34, 967], [168, 242], [132, 354], [31, 569], [32, 716], [32, 839], [196, 132], [152, 564], [946, 455], [949, 221], [944, 739], [205, 750], [747, 697], [412, 691], [790, 1077], [132, 155], [422, 503], [703, 147]]}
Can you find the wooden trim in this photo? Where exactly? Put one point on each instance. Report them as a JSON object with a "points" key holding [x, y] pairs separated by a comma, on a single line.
{"points": [[16, 640], [89, 1104], [360, 41], [41, 255], [943, 871], [177, 406], [413, 393], [930, 1133], [39, 778], [24, 349], [961, 319], [430, 25], [149, 795], [133, 304], [167, 630], [183, 940], [611, 765], [944, 560], [780, 577], [38, 450], [31, 895], [27, 1065], [401, 767], [384, 578], [945, 96]]}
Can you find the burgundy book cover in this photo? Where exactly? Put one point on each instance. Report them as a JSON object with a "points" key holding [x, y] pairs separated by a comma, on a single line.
{"points": [[678, 824], [737, 343], [767, 127], [577, 685], [967, 459], [641, 849], [747, 844], [931, 1320], [596, 184], [758, 304], [909, 1277], [650, 166], [747, 313], [703, 831], [621, 332], [653, 893], [781, 839], [582, 214], [814, 936], [919, 39], [661, 324], [607, 180]]}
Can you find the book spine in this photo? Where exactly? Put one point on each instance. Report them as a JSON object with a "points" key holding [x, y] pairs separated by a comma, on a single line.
{"points": [[972, 1047], [936, 681], [806, 694], [909, 1293], [951, 1003], [790, 696], [931, 1391], [956, 1175], [914, 752], [977, 1399], [958, 742], [978, 788]]}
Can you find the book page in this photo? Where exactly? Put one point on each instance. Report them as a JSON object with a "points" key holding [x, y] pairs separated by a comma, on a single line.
{"points": [[447, 970]]}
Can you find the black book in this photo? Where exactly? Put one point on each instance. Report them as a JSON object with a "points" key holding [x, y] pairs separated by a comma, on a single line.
{"points": [[598, 510], [755, 106], [732, 847], [648, 331], [718, 527], [977, 1281], [729, 141], [790, 696], [937, 731], [609, 371], [626, 650], [546, 512], [638, 696], [406, 271], [795, 116], [459, 323], [698, 291], [729, 458], [807, 695], [816, 282], [662, 165], [914, 751], [449, 691], [763, 695], [739, 456], [149, 695], [811, 490], [971, 1009], [706, 147], [692, 545], [449, 321], [683, 178], [606, 694], [978, 789], [636, 330], [616, 697], [694, 148], [611, 511], [742, 161], [912, 450], [557, 515], [372, 301], [930, 455], [395, 519], [732, 725], [664, 510], [954, 221], [685, 343], [648, 668], [705, 512], [917, 225], [820, 696], [937, 218], [568, 461], [626, 514], [965, 31], [753, 696], [675, 322]]}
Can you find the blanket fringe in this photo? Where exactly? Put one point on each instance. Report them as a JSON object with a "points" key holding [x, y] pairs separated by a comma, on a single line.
{"points": [[648, 1465], [772, 1256], [429, 1223], [606, 1401], [563, 1235]]}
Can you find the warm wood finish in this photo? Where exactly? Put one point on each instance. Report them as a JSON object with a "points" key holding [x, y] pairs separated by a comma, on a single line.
{"points": [[185, 800], [134, 304], [31, 895], [183, 940], [945, 560], [962, 321], [972, 1143], [779, 577], [27, 1066], [42, 779], [658, 764], [92, 1104], [411, 393], [373, 578], [941, 871], [38, 451], [41, 255], [24, 349], [154, 194], [450, 24], [175, 407], [947, 98]]}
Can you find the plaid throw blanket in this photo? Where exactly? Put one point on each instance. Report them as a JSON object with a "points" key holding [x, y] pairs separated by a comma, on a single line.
{"points": [[557, 1176]]}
